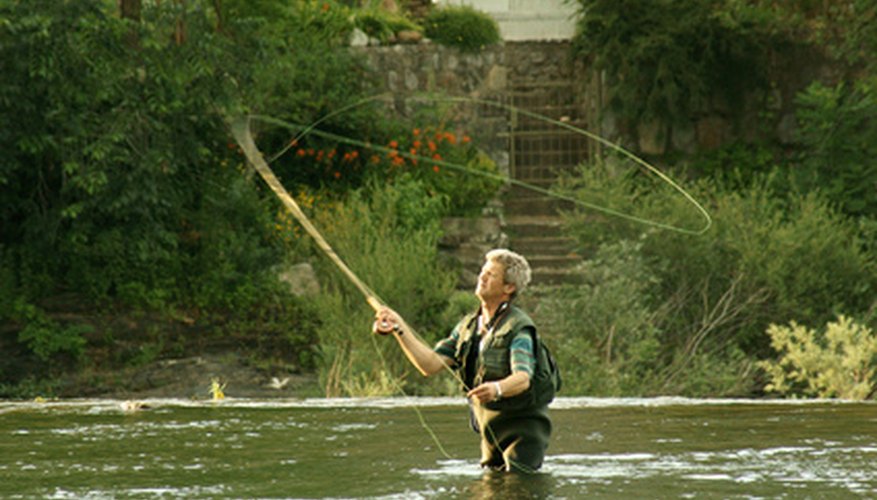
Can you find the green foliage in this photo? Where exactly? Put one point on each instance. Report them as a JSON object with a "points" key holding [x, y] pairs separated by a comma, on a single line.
{"points": [[838, 363], [609, 334], [381, 24], [44, 336], [464, 28], [767, 258], [737, 166], [601, 331], [448, 164], [665, 59], [838, 139], [118, 180], [121, 172], [399, 261]]}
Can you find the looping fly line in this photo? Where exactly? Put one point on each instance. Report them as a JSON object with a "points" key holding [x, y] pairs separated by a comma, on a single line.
{"points": [[302, 131]]}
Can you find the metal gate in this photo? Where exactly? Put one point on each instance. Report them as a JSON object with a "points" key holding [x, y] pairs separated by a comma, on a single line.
{"points": [[539, 149]]}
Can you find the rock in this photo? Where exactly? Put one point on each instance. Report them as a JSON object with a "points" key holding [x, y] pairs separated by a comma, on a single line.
{"points": [[787, 129], [652, 137], [712, 132], [301, 278], [409, 36], [358, 38]]}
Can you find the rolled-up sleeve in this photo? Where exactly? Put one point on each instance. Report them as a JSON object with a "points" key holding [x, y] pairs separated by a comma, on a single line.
{"points": [[522, 355]]}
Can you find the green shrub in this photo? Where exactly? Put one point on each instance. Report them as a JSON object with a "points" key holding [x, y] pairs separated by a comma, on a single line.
{"points": [[838, 363], [382, 25], [838, 139], [665, 59], [44, 336], [371, 231], [601, 331], [767, 258], [463, 28], [140, 196]]}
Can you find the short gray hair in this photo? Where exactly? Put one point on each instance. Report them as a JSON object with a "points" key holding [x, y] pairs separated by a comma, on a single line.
{"points": [[517, 269]]}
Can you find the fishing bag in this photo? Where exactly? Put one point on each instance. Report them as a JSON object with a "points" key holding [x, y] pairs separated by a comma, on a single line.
{"points": [[547, 381]]}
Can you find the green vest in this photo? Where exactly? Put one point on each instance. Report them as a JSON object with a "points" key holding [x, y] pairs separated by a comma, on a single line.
{"points": [[493, 362]]}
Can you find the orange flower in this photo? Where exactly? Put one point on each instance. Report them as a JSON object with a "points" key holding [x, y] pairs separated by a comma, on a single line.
{"points": [[337, 174], [398, 161], [394, 144], [431, 145], [331, 154], [451, 137], [466, 139], [354, 155], [300, 152], [416, 144], [435, 168], [437, 157], [416, 132]]}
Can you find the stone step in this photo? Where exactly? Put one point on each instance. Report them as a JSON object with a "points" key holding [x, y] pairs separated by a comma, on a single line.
{"points": [[543, 261], [532, 188], [526, 226], [542, 205], [542, 245], [552, 276], [529, 172]]}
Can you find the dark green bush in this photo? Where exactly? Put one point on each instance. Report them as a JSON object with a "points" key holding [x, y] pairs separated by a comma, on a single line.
{"points": [[118, 181], [464, 28], [666, 59], [838, 141]]}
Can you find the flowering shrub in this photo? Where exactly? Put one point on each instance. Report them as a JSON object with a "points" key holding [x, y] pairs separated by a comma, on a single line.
{"points": [[447, 163]]}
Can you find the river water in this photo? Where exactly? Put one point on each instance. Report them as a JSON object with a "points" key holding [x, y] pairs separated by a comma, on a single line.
{"points": [[383, 448]]}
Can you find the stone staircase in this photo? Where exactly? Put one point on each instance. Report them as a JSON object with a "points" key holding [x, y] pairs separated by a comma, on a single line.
{"points": [[539, 151], [535, 230]]}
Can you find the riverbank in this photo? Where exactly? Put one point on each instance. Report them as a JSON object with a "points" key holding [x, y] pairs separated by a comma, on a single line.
{"points": [[136, 355], [192, 378]]}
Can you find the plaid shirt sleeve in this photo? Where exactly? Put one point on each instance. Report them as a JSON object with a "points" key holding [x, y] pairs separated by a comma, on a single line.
{"points": [[523, 358], [448, 345]]}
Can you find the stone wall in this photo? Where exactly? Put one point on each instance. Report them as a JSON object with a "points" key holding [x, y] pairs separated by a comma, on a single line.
{"points": [[430, 74], [410, 72]]}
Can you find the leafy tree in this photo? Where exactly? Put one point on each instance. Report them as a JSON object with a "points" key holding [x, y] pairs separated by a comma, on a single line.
{"points": [[838, 137], [665, 59]]}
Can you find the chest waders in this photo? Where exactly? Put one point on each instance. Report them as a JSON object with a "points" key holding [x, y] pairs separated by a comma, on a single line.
{"points": [[515, 430]]}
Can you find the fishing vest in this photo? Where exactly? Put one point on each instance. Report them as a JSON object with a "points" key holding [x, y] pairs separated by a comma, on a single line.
{"points": [[493, 361]]}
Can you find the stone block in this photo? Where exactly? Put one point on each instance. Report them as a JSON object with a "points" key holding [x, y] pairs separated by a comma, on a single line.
{"points": [[301, 278]]}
